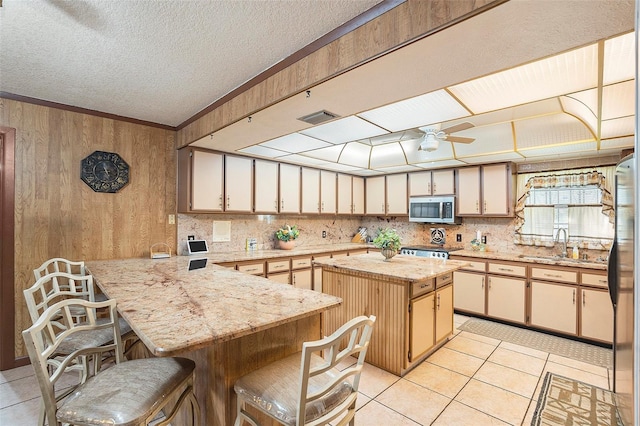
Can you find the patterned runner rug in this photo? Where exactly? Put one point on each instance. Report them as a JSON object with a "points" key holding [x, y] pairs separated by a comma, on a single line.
{"points": [[565, 401], [580, 351]]}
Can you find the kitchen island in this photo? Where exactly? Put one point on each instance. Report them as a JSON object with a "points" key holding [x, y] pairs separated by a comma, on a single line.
{"points": [[411, 297], [228, 322]]}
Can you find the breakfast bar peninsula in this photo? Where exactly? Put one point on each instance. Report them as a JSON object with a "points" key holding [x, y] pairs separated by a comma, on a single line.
{"points": [[411, 297], [228, 322]]}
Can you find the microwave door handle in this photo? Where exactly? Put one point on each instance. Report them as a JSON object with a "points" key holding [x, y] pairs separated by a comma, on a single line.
{"points": [[441, 210]]}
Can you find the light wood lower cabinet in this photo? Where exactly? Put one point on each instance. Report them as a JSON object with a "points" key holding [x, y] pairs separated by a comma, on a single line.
{"points": [[596, 315], [302, 279], [421, 325], [506, 298], [444, 313], [554, 307], [469, 292], [280, 277]]}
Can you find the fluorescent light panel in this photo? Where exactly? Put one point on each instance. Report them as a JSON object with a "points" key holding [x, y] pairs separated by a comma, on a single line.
{"points": [[262, 151], [295, 142], [344, 130], [549, 130], [619, 58]]}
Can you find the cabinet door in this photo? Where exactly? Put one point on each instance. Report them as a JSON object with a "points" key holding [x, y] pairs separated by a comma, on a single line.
{"points": [[468, 290], [301, 279], [444, 313], [554, 306], [422, 332], [327, 192], [468, 191], [206, 181], [344, 194], [375, 195], [266, 186], [357, 195], [289, 188], [506, 298], [397, 194], [419, 183], [443, 182], [495, 189], [310, 190], [596, 315], [282, 277], [238, 184]]}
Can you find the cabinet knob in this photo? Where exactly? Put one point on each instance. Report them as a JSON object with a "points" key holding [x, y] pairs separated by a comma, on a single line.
{"points": [[228, 201]]}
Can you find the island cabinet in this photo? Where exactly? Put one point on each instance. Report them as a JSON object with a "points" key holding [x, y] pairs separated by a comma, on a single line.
{"points": [[412, 299]]}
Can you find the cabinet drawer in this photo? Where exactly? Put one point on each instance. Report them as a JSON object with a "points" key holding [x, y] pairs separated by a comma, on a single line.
{"points": [[421, 287], [501, 268], [278, 266], [252, 268], [475, 266], [595, 280], [301, 263], [444, 279], [555, 275]]}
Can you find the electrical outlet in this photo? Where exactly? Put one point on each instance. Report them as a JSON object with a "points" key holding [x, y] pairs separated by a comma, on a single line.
{"points": [[459, 238], [191, 237], [172, 219], [483, 239], [324, 234]]}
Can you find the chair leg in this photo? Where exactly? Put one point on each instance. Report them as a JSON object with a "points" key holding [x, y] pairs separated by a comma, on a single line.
{"points": [[242, 415]]}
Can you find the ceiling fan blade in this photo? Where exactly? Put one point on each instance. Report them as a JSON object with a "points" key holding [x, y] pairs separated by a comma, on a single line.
{"points": [[458, 127], [460, 139]]}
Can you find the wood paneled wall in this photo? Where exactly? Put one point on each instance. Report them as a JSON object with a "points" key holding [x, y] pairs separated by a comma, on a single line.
{"points": [[57, 215], [396, 27]]}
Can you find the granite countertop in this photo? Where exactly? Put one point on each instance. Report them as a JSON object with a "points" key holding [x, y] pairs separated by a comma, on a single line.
{"points": [[245, 255], [400, 267], [542, 260], [174, 310]]}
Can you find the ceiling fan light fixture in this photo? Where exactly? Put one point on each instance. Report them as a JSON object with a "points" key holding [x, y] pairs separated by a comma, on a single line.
{"points": [[429, 142]]}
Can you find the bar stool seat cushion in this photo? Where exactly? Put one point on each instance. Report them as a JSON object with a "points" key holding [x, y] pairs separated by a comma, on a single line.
{"points": [[125, 392], [276, 389], [92, 338]]}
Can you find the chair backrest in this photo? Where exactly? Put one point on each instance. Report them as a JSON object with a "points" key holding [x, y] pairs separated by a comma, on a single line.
{"points": [[354, 336], [59, 264], [42, 342], [54, 287]]}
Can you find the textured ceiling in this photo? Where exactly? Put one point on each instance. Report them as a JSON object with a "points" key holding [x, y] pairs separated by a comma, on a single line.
{"points": [[157, 61]]}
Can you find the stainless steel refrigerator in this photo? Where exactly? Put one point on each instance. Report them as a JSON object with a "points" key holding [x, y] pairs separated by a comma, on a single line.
{"points": [[624, 294]]}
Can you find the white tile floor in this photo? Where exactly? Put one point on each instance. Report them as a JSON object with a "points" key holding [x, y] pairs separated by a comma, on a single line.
{"points": [[472, 380]]}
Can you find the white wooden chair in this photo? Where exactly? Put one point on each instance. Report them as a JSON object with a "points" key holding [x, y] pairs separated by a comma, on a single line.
{"points": [[59, 264], [127, 393], [306, 388]]}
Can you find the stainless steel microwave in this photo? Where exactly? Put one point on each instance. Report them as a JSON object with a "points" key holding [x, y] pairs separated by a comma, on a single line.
{"points": [[433, 209]]}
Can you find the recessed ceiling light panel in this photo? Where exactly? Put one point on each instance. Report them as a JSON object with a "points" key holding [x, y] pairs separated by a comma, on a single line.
{"points": [[344, 130], [295, 142]]}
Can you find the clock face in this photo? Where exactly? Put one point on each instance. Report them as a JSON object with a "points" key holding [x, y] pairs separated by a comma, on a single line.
{"points": [[104, 171]]}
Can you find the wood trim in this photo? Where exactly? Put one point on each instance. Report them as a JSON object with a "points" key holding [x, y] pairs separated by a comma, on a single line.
{"points": [[330, 37], [65, 107], [7, 286]]}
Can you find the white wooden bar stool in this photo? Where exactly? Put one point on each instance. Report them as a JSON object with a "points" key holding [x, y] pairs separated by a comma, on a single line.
{"points": [[306, 388], [59, 264], [127, 393]]}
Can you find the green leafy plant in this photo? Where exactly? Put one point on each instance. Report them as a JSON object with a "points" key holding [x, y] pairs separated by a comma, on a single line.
{"points": [[387, 239], [287, 233]]}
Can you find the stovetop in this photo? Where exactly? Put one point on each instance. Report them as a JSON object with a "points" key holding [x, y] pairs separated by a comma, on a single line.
{"points": [[430, 248]]}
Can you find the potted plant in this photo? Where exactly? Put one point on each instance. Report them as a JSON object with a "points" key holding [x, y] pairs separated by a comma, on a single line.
{"points": [[388, 241], [286, 236]]}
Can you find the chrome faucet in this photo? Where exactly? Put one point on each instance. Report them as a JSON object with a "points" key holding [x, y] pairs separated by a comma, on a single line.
{"points": [[564, 241]]}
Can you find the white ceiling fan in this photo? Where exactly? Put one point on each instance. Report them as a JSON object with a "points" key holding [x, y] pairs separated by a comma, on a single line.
{"points": [[433, 135]]}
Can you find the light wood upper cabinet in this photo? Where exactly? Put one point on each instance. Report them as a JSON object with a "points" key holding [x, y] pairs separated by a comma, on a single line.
{"points": [[375, 202], [437, 182], [357, 195], [289, 188], [327, 192], [310, 190], [200, 181], [266, 186], [397, 199], [468, 199], [345, 204], [238, 188], [486, 190]]}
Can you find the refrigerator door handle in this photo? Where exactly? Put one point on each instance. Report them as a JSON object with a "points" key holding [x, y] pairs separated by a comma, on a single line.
{"points": [[612, 273]]}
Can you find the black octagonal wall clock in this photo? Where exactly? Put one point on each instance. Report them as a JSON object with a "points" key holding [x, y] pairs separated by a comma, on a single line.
{"points": [[104, 171]]}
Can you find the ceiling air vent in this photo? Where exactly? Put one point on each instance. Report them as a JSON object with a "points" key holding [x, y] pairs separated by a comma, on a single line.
{"points": [[318, 117]]}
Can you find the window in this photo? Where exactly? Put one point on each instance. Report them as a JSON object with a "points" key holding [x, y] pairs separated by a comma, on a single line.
{"points": [[579, 202]]}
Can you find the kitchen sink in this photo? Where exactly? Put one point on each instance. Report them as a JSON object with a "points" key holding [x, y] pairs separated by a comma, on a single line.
{"points": [[558, 258]]}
